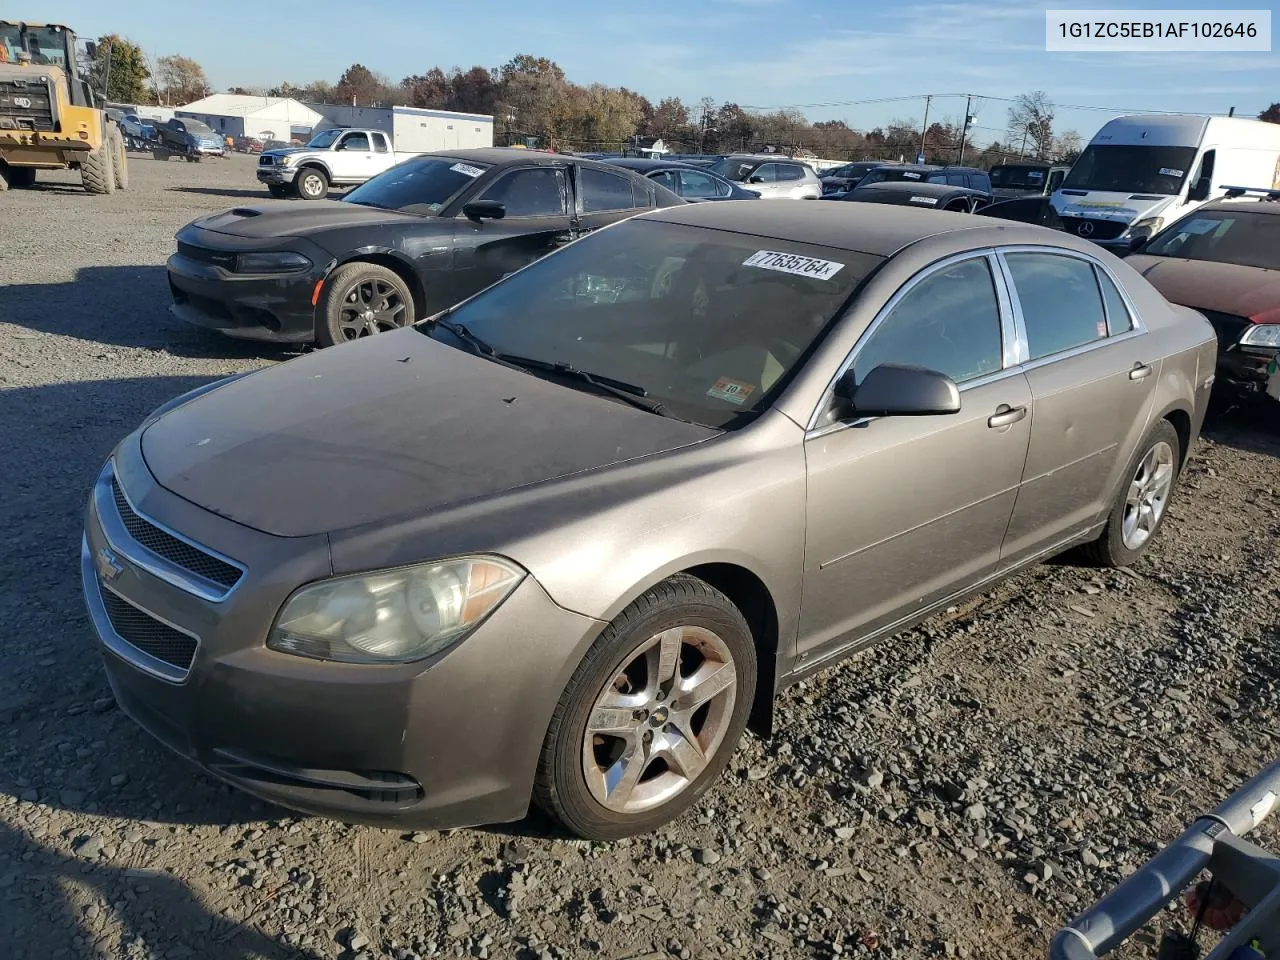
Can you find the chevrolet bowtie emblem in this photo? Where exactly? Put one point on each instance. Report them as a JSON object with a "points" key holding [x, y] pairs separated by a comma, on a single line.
{"points": [[108, 566]]}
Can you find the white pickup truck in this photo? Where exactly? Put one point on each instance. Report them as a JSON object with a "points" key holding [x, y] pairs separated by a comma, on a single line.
{"points": [[336, 157]]}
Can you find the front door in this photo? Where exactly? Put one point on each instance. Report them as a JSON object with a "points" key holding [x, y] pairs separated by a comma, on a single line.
{"points": [[903, 511], [537, 221], [352, 157], [1093, 374]]}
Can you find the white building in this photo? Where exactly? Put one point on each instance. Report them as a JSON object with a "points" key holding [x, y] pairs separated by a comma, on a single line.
{"points": [[237, 115], [413, 129]]}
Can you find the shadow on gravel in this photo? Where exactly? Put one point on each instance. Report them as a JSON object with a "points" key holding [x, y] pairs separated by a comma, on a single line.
{"points": [[259, 194], [154, 911], [125, 306], [1252, 426]]}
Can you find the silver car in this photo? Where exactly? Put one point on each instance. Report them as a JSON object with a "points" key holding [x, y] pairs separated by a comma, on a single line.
{"points": [[771, 176], [563, 541]]}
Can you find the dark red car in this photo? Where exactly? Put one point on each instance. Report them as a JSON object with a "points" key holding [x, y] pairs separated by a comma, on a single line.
{"points": [[1224, 260]]}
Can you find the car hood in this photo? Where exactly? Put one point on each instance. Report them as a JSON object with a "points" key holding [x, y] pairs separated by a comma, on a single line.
{"points": [[264, 220], [286, 151], [1203, 285], [397, 425]]}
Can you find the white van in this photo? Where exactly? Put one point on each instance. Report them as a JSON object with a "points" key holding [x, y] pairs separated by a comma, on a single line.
{"points": [[1140, 172]]}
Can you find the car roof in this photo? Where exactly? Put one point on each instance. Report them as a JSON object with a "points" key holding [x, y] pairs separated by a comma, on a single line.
{"points": [[649, 165], [1259, 205], [877, 229], [912, 186], [504, 156]]}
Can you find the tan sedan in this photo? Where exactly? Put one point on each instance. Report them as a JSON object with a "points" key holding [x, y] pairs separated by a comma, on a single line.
{"points": [[561, 542]]}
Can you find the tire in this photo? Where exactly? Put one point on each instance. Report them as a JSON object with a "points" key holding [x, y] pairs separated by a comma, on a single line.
{"points": [[277, 190], [311, 183], [120, 160], [617, 701], [22, 177], [348, 308], [160, 153], [97, 170], [1154, 468]]}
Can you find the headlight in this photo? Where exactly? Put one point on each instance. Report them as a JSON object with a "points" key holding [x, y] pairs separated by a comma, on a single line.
{"points": [[393, 616], [1148, 227], [1262, 335], [284, 161], [271, 263]]}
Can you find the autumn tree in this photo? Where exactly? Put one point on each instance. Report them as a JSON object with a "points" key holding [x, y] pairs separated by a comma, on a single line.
{"points": [[1271, 114], [181, 79], [358, 86], [119, 69], [1067, 146], [1031, 116], [534, 89]]}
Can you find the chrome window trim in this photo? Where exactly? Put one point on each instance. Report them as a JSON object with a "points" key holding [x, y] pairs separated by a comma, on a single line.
{"points": [[118, 645], [115, 532], [1004, 301], [1026, 362]]}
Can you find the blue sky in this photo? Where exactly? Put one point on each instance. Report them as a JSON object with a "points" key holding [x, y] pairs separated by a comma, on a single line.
{"points": [[761, 53]]}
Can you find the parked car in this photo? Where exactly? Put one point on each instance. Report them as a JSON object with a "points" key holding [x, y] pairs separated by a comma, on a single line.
{"points": [[841, 180], [935, 196], [559, 542], [410, 242], [1036, 210], [139, 134], [772, 176], [1010, 180], [189, 139], [970, 177], [686, 180], [1223, 259], [248, 145]]}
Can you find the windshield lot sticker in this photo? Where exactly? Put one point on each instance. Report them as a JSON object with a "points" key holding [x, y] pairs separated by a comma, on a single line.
{"points": [[793, 263], [1171, 172], [932, 201], [467, 169], [910, 175], [731, 391]]}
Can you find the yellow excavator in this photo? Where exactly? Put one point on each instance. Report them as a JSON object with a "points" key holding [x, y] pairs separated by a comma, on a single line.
{"points": [[49, 117]]}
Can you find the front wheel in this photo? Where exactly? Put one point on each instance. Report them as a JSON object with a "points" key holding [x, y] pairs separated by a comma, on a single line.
{"points": [[1141, 504], [311, 184], [652, 715], [359, 300]]}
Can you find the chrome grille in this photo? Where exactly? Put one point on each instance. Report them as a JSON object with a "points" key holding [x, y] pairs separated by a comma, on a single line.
{"points": [[164, 544], [146, 633], [1095, 229]]}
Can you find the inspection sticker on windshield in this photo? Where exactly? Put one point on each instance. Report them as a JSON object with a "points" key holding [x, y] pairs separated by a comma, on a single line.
{"points": [[731, 391], [1171, 172], [931, 201], [466, 168], [793, 263]]}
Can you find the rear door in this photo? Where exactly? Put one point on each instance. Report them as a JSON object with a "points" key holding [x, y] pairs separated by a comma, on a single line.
{"points": [[604, 197], [1093, 372]]}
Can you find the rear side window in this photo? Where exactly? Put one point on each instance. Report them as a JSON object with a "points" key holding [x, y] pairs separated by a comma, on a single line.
{"points": [[980, 181], [1119, 320], [1061, 303], [379, 143], [694, 184], [602, 192]]}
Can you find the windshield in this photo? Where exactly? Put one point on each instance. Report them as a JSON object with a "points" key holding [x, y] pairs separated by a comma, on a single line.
{"points": [[710, 324], [197, 129], [422, 185], [884, 174], [47, 45], [1031, 177], [1124, 169], [324, 138], [736, 169], [1223, 236]]}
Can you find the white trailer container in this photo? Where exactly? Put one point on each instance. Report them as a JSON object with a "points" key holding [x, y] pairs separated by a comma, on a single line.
{"points": [[413, 129]]}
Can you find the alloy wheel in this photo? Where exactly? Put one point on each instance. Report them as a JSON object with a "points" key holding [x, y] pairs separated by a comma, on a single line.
{"points": [[312, 185], [1148, 495], [371, 306], [660, 720]]}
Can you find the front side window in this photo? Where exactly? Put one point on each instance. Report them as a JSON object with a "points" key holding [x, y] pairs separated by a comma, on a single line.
{"points": [[1222, 236], [955, 179], [767, 172], [948, 322], [667, 178], [1061, 303], [355, 141], [1124, 169], [603, 192], [699, 185], [707, 322], [539, 192]]}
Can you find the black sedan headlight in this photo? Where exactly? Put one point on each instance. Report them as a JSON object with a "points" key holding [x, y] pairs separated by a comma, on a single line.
{"points": [[272, 262]]}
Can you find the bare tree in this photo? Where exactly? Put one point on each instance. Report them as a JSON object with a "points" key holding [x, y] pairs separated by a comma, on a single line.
{"points": [[1031, 122]]}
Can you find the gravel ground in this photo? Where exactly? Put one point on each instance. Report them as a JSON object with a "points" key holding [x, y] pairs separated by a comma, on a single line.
{"points": [[958, 791]]}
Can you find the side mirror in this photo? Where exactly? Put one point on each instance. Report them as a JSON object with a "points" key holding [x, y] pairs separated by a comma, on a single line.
{"points": [[1200, 191], [755, 179], [898, 390], [1136, 244], [91, 49], [478, 210]]}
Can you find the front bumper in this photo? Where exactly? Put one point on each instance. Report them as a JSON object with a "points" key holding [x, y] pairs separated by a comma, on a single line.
{"points": [[1243, 370], [276, 174], [274, 308], [452, 741]]}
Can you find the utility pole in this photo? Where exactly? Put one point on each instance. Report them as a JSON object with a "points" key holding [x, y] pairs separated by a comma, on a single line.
{"points": [[964, 129], [1023, 149], [924, 127]]}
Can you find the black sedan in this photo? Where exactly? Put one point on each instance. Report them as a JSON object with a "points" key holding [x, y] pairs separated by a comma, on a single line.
{"points": [[930, 196], [412, 241], [688, 180], [839, 180]]}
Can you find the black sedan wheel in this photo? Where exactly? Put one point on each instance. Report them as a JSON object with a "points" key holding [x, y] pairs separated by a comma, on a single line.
{"points": [[359, 300], [652, 715]]}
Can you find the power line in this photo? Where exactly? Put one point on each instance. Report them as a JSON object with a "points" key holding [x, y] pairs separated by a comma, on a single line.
{"points": [[939, 96]]}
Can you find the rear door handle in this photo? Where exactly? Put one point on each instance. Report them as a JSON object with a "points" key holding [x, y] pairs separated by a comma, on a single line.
{"points": [[1006, 415], [1140, 371]]}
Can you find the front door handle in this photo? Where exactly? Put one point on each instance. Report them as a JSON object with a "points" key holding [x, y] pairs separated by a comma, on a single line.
{"points": [[1140, 371], [1006, 415]]}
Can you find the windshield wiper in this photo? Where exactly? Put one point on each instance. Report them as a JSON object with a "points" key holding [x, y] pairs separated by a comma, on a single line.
{"points": [[633, 394], [481, 348]]}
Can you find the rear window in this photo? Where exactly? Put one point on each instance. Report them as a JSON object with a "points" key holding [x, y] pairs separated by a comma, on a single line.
{"points": [[1014, 175]]}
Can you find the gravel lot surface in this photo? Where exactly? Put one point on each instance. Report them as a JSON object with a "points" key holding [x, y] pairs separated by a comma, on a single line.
{"points": [[958, 791]]}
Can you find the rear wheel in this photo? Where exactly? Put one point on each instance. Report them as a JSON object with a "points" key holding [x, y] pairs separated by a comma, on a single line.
{"points": [[1142, 501], [652, 715], [311, 184], [359, 300], [120, 160], [97, 170]]}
